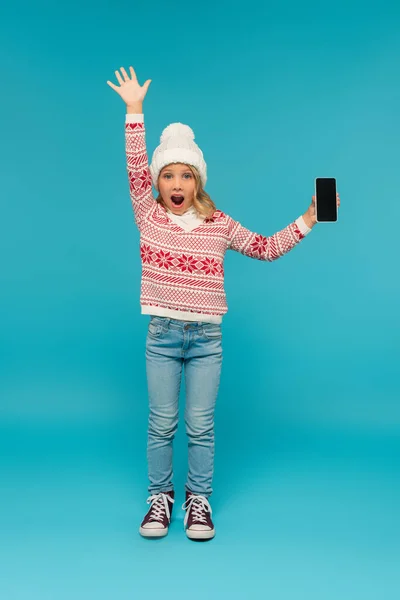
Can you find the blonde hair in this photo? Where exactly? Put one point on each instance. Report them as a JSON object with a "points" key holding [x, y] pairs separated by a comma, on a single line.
{"points": [[202, 202]]}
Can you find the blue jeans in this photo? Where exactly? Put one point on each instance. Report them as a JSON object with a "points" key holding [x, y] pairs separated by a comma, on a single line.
{"points": [[172, 344]]}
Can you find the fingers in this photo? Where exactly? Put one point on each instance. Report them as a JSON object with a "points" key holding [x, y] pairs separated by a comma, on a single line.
{"points": [[114, 87], [133, 74], [118, 76], [125, 78], [124, 73], [120, 80], [146, 85], [337, 199]]}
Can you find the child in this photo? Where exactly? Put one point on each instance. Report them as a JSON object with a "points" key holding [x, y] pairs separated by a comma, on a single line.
{"points": [[183, 240]]}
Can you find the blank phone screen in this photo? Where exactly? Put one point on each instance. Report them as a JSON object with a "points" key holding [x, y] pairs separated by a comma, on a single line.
{"points": [[326, 203]]}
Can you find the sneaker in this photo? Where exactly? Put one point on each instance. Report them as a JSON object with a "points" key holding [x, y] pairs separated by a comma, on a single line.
{"points": [[197, 522], [158, 518]]}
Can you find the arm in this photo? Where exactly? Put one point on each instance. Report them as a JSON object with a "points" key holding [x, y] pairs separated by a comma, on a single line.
{"points": [[266, 248], [135, 142], [140, 189]]}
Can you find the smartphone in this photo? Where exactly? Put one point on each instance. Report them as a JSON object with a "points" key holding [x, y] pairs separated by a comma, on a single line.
{"points": [[325, 200]]}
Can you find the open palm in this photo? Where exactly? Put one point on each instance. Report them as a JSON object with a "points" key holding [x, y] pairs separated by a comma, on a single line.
{"points": [[129, 88]]}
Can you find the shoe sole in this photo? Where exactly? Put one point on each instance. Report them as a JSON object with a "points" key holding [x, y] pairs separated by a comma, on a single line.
{"points": [[200, 535], [153, 533]]}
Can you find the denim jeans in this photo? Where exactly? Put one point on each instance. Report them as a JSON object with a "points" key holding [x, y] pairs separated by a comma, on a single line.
{"points": [[172, 345]]}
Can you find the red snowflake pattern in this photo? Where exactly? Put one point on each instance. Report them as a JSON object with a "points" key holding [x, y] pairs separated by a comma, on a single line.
{"points": [[210, 266], [187, 263], [145, 179], [145, 253], [259, 246], [164, 259]]}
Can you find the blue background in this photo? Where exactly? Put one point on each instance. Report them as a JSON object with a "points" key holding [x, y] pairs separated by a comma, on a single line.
{"points": [[306, 487]]}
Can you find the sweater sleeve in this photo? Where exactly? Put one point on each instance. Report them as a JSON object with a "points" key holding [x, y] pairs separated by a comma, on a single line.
{"points": [[140, 189], [269, 248]]}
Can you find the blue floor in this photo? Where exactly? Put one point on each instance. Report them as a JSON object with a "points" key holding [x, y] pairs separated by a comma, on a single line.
{"points": [[296, 517]]}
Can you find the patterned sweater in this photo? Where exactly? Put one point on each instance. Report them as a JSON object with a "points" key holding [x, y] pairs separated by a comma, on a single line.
{"points": [[183, 271]]}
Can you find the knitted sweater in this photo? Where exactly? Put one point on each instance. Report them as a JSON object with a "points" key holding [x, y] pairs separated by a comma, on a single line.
{"points": [[182, 266]]}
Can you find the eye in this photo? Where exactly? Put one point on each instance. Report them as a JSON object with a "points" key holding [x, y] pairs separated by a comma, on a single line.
{"points": [[167, 175], [188, 175]]}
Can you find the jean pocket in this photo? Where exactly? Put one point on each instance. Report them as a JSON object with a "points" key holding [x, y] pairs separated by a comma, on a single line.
{"points": [[212, 332], [155, 329]]}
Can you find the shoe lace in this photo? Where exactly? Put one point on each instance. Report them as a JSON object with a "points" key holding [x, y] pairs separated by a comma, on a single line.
{"points": [[159, 506], [199, 505]]}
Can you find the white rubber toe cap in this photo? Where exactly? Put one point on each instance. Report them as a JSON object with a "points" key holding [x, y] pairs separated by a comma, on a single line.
{"points": [[153, 525]]}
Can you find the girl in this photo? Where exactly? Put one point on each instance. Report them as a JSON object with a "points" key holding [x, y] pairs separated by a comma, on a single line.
{"points": [[183, 240]]}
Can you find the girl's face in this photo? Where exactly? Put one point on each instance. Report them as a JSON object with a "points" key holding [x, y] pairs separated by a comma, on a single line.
{"points": [[177, 185]]}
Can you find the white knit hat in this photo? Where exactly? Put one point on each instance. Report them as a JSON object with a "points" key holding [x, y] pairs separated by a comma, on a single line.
{"points": [[177, 146]]}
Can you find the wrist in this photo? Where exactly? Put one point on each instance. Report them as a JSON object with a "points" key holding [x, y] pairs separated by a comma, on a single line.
{"points": [[308, 220], [135, 108]]}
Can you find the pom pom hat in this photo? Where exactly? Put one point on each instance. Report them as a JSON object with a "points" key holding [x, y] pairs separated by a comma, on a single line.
{"points": [[177, 146]]}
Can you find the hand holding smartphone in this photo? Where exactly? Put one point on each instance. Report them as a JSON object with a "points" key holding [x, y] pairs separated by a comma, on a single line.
{"points": [[325, 200]]}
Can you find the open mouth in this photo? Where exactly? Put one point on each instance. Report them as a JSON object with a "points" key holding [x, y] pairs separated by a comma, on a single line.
{"points": [[177, 200]]}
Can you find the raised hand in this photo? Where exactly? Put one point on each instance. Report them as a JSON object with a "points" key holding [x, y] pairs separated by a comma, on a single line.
{"points": [[310, 217], [129, 89]]}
